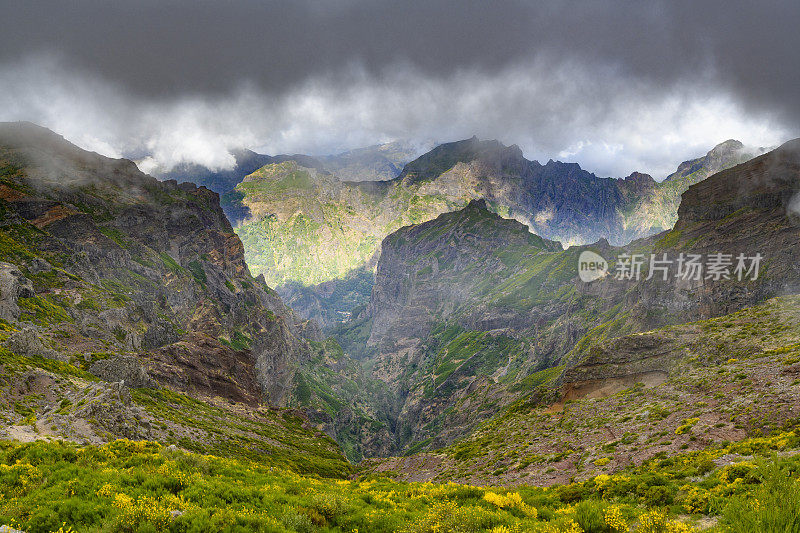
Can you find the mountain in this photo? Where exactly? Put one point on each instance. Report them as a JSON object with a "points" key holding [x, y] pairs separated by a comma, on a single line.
{"points": [[659, 208], [371, 163], [716, 353], [309, 228], [149, 382], [469, 311], [380, 162], [221, 181], [159, 260], [463, 309], [224, 181], [124, 281]]}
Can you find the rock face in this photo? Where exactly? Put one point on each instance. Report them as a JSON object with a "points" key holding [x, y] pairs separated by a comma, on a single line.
{"points": [[748, 210], [470, 311], [310, 228], [432, 271], [464, 307], [26, 342], [13, 285], [630, 356], [115, 260], [123, 368]]}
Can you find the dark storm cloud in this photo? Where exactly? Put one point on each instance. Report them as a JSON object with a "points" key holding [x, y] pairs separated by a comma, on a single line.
{"points": [[161, 57]]}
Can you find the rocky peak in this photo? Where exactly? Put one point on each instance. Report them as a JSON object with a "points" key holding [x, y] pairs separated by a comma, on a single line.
{"points": [[636, 183], [638, 177], [768, 181], [480, 204], [726, 147], [445, 156], [721, 156]]}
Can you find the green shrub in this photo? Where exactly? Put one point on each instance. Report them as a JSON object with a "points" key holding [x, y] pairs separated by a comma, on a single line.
{"points": [[572, 493], [589, 514], [774, 506], [198, 272]]}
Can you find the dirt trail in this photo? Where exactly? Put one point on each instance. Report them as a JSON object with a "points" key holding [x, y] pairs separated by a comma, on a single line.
{"points": [[22, 433]]}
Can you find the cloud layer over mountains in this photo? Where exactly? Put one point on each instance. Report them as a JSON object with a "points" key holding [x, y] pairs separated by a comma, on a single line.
{"points": [[616, 86]]}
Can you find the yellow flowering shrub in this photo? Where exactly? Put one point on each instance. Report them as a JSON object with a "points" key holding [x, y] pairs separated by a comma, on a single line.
{"points": [[177, 478], [504, 529], [448, 516], [141, 510], [602, 482], [657, 521], [605, 483], [674, 526], [764, 445], [687, 425], [105, 491], [510, 500], [23, 477], [737, 471], [696, 500], [564, 527], [614, 520]]}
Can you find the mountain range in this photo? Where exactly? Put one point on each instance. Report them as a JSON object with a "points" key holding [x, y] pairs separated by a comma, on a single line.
{"points": [[466, 308], [317, 238], [372, 163], [459, 341]]}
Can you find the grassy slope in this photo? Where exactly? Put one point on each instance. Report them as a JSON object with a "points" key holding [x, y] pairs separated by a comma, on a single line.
{"points": [[728, 378], [128, 486], [269, 436]]}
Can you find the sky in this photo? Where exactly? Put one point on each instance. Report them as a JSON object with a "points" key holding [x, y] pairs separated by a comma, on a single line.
{"points": [[615, 86]]}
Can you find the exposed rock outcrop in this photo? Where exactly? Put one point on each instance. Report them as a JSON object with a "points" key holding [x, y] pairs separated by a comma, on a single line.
{"points": [[120, 261], [123, 368], [26, 342], [13, 285]]}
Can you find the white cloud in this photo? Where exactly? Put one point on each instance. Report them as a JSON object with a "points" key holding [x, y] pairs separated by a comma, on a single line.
{"points": [[608, 123]]}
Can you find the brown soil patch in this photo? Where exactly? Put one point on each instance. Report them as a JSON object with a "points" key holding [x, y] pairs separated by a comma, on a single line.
{"points": [[54, 213], [9, 195], [603, 388]]}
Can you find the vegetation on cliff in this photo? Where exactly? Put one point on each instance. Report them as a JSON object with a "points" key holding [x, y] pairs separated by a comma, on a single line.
{"points": [[308, 228]]}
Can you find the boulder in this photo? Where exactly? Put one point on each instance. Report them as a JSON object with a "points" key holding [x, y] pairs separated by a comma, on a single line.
{"points": [[13, 285], [123, 368], [26, 342]]}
